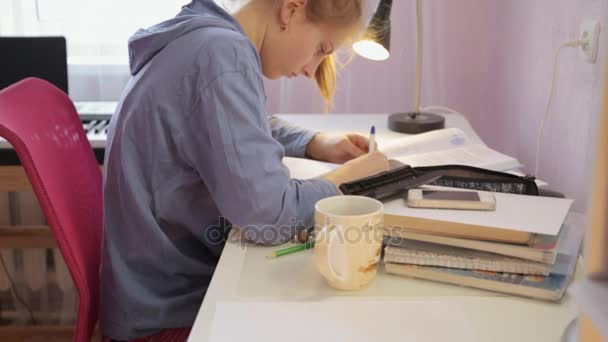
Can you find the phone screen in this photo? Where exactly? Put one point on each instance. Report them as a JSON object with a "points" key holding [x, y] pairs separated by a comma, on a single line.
{"points": [[450, 195]]}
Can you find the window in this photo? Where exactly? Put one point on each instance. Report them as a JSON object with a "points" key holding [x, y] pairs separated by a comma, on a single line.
{"points": [[96, 31], [93, 28]]}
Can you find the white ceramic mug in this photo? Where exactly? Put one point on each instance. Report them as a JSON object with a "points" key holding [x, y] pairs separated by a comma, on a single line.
{"points": [[348, 240]]}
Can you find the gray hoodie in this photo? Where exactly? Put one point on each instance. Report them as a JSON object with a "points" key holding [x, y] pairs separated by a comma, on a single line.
{"points": [[191, 151]]}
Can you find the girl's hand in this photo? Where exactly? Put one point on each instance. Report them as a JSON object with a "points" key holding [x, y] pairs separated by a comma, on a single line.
{"points": [[364, 166], [337, 149]]}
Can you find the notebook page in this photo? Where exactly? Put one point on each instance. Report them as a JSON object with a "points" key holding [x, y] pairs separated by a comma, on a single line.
{"points": [[438, 140], [472, 155]]}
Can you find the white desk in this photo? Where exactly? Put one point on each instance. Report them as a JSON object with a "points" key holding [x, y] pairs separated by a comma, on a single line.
{"points": [[247, 291]]}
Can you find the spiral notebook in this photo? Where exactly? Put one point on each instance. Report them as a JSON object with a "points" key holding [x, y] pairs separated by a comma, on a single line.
{"points": [[551, 287], [543, 249], [429, 254]]}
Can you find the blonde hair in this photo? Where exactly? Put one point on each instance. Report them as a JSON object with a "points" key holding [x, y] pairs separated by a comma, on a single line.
{"points": [[345, 14]]}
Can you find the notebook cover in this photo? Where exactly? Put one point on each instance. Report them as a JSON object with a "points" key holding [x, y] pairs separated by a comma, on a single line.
{"points": [[550, 287]]}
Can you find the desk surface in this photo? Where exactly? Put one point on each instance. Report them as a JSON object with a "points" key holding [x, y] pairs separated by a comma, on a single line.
{"points": [[253, 287]]}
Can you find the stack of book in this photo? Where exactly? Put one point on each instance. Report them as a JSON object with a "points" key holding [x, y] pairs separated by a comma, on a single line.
{"points": [[528, 246]]}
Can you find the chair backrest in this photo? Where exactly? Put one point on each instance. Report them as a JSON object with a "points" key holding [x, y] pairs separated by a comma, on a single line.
{"points": [[41, 123]]}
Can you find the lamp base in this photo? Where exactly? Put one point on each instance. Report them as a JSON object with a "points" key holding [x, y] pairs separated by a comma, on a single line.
{"points": [[414, 123]]}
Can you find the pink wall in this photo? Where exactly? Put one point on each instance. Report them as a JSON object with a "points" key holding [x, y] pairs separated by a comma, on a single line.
{"points": [[492, 61], [523, 87]]}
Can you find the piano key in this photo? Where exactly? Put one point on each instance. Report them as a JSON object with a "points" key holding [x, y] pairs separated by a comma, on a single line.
{"points": [[98, 126], [95, 109], [87, 127], [97, 140], [102, 125]]}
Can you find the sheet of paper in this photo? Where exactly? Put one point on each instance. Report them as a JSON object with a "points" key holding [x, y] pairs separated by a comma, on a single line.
{"points": [[362, 321], [446, 146], [533, 214], [437, 140]]}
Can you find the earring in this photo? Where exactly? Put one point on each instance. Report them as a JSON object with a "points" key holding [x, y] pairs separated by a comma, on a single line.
{"points": [[283, 27]]}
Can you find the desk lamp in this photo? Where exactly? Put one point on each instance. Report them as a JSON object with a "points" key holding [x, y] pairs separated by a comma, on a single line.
{"points": [[375, 45]]}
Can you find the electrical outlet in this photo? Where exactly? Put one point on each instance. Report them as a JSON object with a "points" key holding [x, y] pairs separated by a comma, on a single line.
{"points": [[590, 31]]}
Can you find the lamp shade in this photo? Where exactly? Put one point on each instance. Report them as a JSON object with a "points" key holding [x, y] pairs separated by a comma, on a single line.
{"points": [[376, 41], [375, 45]]}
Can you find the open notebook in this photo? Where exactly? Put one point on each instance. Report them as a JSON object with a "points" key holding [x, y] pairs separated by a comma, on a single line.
{"points": [[446, 146], [440, 147]]}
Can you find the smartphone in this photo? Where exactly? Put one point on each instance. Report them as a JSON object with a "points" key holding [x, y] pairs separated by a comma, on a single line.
{"points": [[448, 199]]}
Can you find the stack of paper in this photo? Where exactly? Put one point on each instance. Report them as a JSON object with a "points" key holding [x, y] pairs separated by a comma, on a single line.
{"points": [[541, 270]]}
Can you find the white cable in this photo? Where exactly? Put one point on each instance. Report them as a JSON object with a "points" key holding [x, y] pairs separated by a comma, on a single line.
{"points": [[420, 47], [418, 56], [574, 43]]}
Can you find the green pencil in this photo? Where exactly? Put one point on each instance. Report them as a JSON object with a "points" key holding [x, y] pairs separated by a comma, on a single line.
{"points": [[293, 249]]}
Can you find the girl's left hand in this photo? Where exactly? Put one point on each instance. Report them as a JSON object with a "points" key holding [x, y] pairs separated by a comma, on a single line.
{"points": [[337, 149]]}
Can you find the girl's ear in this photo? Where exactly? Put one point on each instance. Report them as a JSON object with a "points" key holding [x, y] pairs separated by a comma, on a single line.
{"points": [[287, 10]]}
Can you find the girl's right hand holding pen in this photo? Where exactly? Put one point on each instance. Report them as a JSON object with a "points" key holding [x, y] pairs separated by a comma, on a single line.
{"points": [[361, 167]]}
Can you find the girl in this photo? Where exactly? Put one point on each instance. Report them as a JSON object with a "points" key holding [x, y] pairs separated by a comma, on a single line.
{"points": [[191, 151]]}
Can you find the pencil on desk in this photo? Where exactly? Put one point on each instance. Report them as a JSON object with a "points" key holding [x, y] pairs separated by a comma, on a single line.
{"points": [[290, 250]]}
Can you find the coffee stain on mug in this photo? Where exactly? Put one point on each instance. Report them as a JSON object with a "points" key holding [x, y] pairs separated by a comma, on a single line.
{"points": [[369, 268]]}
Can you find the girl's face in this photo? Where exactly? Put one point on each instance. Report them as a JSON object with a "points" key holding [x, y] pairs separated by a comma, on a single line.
{"points": [[300, 47]]}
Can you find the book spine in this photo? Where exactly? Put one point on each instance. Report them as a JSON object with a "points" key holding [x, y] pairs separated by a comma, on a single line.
{"points": [[549, 289], [457, 230]]}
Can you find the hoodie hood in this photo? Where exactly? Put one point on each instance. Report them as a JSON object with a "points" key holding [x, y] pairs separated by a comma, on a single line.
{"points": [[146, 43]]}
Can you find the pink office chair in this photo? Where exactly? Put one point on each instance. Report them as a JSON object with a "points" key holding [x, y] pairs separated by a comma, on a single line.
{"points": [[41, 123]]}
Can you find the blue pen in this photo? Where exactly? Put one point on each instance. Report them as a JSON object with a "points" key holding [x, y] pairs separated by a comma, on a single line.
{"points": [[372, 139]]}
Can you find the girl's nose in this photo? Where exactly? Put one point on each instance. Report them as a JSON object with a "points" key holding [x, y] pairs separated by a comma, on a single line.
{"points": [[307, 72], [310, 69]]}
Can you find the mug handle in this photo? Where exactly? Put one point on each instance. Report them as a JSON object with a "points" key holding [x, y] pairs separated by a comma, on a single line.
{"points": [[371, 252], [325, 231]]}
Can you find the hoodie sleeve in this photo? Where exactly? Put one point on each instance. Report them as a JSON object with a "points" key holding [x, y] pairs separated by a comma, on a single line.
{"points": [[229, 142], [293, 138]]}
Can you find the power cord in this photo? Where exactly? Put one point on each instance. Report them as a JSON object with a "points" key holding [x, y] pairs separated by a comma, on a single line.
{"points": [[573, 43], [13, 289]]}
